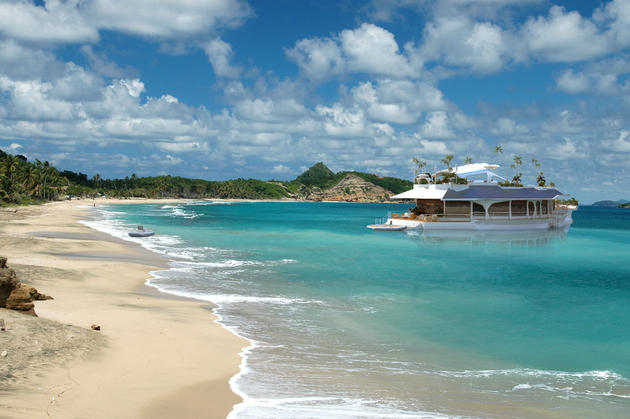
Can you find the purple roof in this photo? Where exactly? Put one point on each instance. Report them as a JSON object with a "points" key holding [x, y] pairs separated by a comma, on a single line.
{"points": [[495, 192]]}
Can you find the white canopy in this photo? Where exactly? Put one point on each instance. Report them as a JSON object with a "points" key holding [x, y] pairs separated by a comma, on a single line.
{"points": [[421, 192], [473, 169]]}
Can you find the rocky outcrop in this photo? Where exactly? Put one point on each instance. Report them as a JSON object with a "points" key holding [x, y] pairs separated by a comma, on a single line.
{"points": [[351, 188], [15, 295], [8, 281]]}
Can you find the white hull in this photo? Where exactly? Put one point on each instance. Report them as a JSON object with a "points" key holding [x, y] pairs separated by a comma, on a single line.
{"points": [[557, 220]]}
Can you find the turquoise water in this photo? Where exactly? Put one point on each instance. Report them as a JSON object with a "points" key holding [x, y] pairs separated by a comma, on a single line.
{"points": [[346, 321]]}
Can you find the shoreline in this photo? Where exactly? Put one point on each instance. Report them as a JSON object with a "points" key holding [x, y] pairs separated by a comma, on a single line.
{"points": [[164, 355]]}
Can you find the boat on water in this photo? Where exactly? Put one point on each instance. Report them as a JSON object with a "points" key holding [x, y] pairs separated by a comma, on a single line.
{"points": [[141, 232], [387, 227], [480, 204]]}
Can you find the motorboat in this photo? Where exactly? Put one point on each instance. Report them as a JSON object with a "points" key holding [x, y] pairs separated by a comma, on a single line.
{"points": [[387, 227], [141, 232]]}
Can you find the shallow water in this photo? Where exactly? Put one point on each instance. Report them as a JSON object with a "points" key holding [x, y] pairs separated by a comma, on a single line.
{"points": [[346, 321]]}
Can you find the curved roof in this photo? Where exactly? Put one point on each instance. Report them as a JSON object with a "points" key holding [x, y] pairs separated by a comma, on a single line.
{"points": [[485, 191], [496, 192]]}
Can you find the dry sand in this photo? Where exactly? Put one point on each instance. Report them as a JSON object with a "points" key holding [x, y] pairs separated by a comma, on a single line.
{"points": [[155, 357]]}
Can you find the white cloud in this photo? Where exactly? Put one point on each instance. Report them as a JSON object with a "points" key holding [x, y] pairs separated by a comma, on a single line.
{"points": [[617, 14], [621, 143], [57, 22], [340, 122], [372, 49], [437, 126], [397, 101], [318, 58], [21, 62], [281, 168], [565, 37], [74, 21], [367, 49], [481, 46], [13, 147], [219, 54], [507, 126], [101, 65], [572, 82]]}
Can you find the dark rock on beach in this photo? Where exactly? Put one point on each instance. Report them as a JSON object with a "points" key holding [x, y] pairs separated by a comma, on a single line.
{"points": [[15, 295]]}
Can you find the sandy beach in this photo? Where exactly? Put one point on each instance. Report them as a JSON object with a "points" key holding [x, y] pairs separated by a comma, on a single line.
{"points": [[155, 356]]}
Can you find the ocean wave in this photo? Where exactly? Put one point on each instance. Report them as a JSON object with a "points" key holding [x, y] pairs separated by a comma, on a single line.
{"points": [[323, 407], [596, 383], [208, 203], [224, 298], [233, 263], [529, 372]]}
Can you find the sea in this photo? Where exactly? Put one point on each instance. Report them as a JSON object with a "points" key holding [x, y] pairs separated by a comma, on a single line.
{"points": [[344, 321]]}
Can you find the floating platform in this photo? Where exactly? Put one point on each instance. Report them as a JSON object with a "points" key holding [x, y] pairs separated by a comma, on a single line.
{"points": [[387, 227]]}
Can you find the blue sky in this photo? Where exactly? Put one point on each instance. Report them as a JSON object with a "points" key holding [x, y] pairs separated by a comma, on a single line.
{"points": [[220, 89]]}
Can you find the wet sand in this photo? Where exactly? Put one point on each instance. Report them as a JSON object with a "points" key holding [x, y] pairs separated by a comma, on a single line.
{"points": [[155, 356]]}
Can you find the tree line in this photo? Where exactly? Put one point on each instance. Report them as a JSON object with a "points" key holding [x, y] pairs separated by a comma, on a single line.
{"points": [[26, 182], [515, 166]]}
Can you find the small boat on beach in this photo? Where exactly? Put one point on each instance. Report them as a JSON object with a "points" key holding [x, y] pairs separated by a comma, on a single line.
{"points": [[141, 232], [387, 227]]}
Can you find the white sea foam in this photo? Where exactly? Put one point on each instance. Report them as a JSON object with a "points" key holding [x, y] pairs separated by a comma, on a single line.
{"points": [[224, 298], [232, 263], [529, 372], [323, 407], [207, 203], [597, 383]]}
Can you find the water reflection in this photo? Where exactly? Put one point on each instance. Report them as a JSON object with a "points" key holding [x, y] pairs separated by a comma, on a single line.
{"points": [[539, 238]]}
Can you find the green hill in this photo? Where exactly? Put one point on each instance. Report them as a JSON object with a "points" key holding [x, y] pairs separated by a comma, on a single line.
{"points": [[24, 182], [608, 203]]}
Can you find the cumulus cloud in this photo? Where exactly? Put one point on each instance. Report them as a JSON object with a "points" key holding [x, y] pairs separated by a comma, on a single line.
{"points": [[219, 54], [572, 82], [437, 126], [367, 49], [397, 101], [621, 143], [318, 58], [74, 21], [565, 37], [480, 46], [507, 126]]}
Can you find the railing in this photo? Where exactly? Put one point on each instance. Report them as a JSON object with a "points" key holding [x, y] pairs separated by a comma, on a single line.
{"points": [[477, 215]]}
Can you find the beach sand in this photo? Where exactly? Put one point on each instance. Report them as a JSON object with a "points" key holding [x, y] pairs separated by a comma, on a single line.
{"points": [[155, 356]]}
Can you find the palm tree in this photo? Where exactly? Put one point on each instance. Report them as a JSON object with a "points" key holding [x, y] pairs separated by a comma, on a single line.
{"points": [[421, 165], [468, 160], [499, 150], [447, 160]]}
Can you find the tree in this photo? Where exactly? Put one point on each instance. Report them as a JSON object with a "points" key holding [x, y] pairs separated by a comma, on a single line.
{"points": [[468, 160], [447, 160], [421, 165]]}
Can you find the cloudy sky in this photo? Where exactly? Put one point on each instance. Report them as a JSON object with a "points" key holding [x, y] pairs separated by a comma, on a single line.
{"points": [[221, 89]]}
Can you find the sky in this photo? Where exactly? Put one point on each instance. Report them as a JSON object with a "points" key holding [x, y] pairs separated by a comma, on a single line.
{"points": [[220, 89]]}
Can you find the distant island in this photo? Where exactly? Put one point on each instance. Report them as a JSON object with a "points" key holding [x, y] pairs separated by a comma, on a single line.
{"points": [[622, 203], [26, 182]]}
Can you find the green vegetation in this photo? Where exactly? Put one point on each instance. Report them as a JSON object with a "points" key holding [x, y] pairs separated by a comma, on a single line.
{"points": [[570, 201], [516, 181], [24, 182], [318, 175], [621, 203]]}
